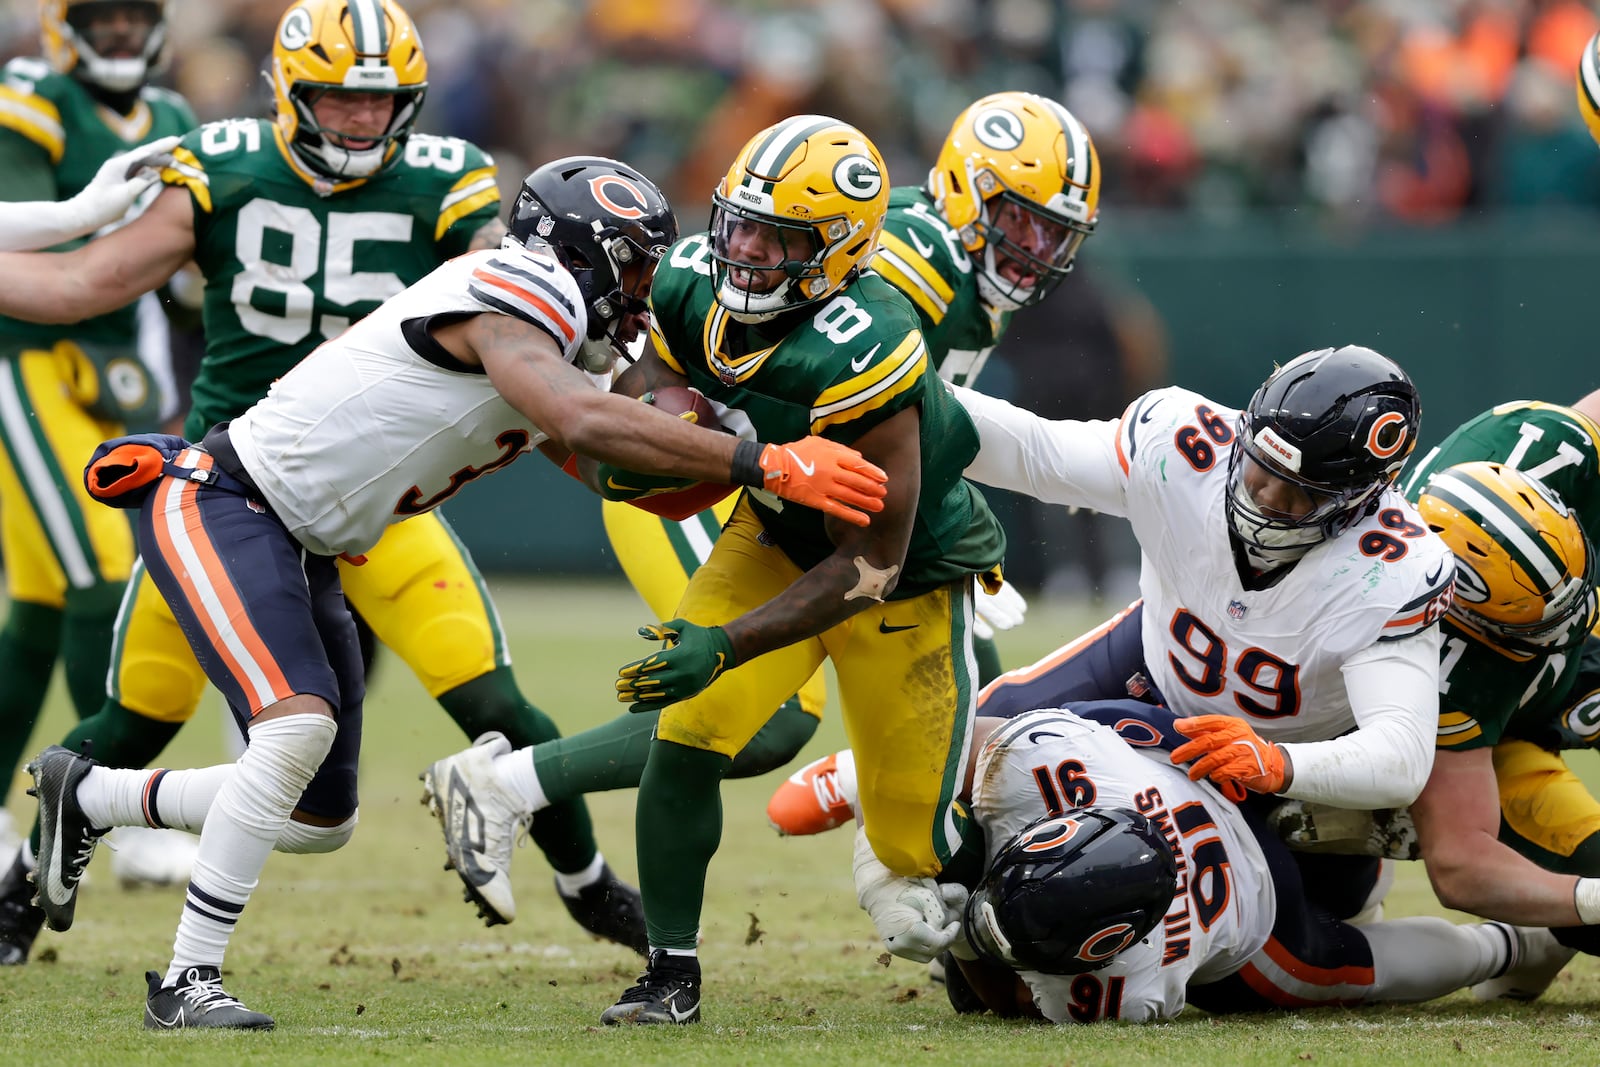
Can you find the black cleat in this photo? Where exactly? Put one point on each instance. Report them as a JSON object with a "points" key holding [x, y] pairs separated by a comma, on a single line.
{"points": [[610, 909], [667, 992], [66, 840], [198, 1002], [20, 918]]}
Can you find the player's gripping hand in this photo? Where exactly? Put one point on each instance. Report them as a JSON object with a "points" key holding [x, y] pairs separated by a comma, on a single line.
{"points": [[819, 473], [120, 181], [694, 657], [1229, 752], [917, 918]]}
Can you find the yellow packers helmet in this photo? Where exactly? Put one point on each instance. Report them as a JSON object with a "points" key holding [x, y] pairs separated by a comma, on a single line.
{"points": [[367, 46], [1589, 86], [1524, 568], [64, 27], [1018, 164], [806, 196]]}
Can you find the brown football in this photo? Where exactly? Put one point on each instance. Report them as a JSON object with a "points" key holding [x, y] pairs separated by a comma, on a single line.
{"points": [[685, 402]]}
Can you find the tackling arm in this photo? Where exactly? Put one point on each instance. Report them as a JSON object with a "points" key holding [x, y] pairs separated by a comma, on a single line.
{"points": [[1066, 462], [103, 275], [1458, 826]]}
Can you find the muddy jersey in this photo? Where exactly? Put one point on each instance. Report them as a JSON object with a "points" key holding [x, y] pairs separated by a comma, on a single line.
{"points": [[383, 423], [1048, 762], [290, 261], [1482, 690], [922, 256], [43, 111], [836, 370], [1275, 656]]}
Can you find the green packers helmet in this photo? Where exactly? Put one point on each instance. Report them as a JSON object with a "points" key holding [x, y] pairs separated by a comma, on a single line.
{"points": [[1589, 86], [1524, 568], [368, 46], [818, 189], [1017, 154], [64, 27]]}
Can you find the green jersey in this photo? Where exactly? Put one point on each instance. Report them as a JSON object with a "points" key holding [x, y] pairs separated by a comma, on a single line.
{"points": [[837, 370], [922, 256], [1484, 693], [51, 120], [290, 261]]}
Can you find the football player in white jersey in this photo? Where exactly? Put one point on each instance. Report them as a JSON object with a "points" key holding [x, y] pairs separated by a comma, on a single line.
{"points": [[1291, 595], [449, 380], [1118, 889]]}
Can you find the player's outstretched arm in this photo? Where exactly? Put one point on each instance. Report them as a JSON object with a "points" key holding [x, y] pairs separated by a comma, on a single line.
{"points": [[1458, 829], [526, 367], [107, 198], [103, 275]]}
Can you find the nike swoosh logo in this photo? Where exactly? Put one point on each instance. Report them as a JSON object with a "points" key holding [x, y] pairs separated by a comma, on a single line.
{"points": [[885, 628], [859, 365], [671, 1004], [808, 469], [53, 888], [612, 483], [1437, 571], [1034, 735], [165, 1024], [1144, 415], [916, 242]]}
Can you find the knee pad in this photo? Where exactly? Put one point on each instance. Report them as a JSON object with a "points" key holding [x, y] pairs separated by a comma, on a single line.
{"points": [[285, 753], [301, 838]]}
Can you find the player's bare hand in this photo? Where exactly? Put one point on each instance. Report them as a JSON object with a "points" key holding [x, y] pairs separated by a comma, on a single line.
{"points": [[1230, 753], [826, 475]]}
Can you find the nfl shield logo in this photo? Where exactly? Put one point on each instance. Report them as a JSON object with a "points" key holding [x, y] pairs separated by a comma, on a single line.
{"points": [[1236, 609]]}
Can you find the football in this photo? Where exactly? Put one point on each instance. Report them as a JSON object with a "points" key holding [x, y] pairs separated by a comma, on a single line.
{"points": [[686, 403]]}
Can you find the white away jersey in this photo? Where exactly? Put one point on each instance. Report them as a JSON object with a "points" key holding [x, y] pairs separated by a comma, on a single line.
{"points": [[1274, 656], [381, 423], [1046, 762]]}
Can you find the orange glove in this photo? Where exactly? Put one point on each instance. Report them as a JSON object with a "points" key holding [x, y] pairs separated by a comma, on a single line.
{"points": [[1229, 752], [825, 475]]}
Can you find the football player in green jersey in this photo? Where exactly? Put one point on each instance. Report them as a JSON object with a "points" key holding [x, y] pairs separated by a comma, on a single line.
{"points": [[1014, 193], [65, 387], [302, 224], [1506, 829], [773, 318]]}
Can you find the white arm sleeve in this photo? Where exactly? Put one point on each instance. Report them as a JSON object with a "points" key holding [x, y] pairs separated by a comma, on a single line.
{"points": [[1385, 761], [108, 197], [1066, 462]]}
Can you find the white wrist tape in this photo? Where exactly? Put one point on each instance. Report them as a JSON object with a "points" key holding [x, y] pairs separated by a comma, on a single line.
{"points": [[1586, 898]]}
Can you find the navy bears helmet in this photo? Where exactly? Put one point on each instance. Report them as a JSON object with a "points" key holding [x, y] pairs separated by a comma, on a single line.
{"points": [[1339, 424], [1071, 891], [599, 216]]}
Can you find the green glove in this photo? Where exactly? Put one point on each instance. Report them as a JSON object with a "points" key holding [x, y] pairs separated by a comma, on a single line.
{"points": [[695, 657]]}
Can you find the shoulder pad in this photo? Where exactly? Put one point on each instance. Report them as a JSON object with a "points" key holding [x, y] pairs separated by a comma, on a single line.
{"points": [[28, 107], [530, 285]]}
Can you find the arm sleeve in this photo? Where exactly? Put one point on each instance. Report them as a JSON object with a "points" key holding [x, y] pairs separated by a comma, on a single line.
{"points": [[1066, 462], [1385, 761]]}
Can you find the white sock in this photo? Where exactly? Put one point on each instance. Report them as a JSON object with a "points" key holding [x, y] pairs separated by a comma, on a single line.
{"points": [[111, 796], [250, 810], [845, 760], [570, 885], [516, 773], [1426, 957]]}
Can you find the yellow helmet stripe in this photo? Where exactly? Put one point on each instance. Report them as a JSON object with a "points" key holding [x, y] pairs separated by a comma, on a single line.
{"points": [[370, 31], [767, 159], [1482, 504], [1080, 160]]}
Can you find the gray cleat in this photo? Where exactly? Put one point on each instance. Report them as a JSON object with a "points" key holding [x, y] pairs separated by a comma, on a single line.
{"points": [[198, 1001]]}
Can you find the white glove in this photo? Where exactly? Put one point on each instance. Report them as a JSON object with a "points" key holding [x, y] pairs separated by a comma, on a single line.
{"points": [[108, 197], [997, 611], [917, 918]]}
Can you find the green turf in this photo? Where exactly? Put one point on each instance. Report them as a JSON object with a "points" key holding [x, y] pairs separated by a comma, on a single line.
{"points": [[369, 955]]}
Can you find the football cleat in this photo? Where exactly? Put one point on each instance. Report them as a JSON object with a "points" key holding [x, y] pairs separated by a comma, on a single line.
{"points": [[611, 909], [145, 856], [667, 992], [1307, 826], [963, 998], [1539, 957], [482, 821], [20, 918], [818, 797], [198, 1001], [66, 840]]}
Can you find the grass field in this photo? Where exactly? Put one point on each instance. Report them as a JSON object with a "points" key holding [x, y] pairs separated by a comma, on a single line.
{"points": [[369, 955]]}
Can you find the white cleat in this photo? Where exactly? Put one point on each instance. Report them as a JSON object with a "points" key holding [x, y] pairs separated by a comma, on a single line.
{"points": [[143, 856], [1307, 826], [1539, 959], [481, 820]]}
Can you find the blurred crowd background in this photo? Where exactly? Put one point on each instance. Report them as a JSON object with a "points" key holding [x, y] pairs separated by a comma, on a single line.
{"points": [[1348, 116]]}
